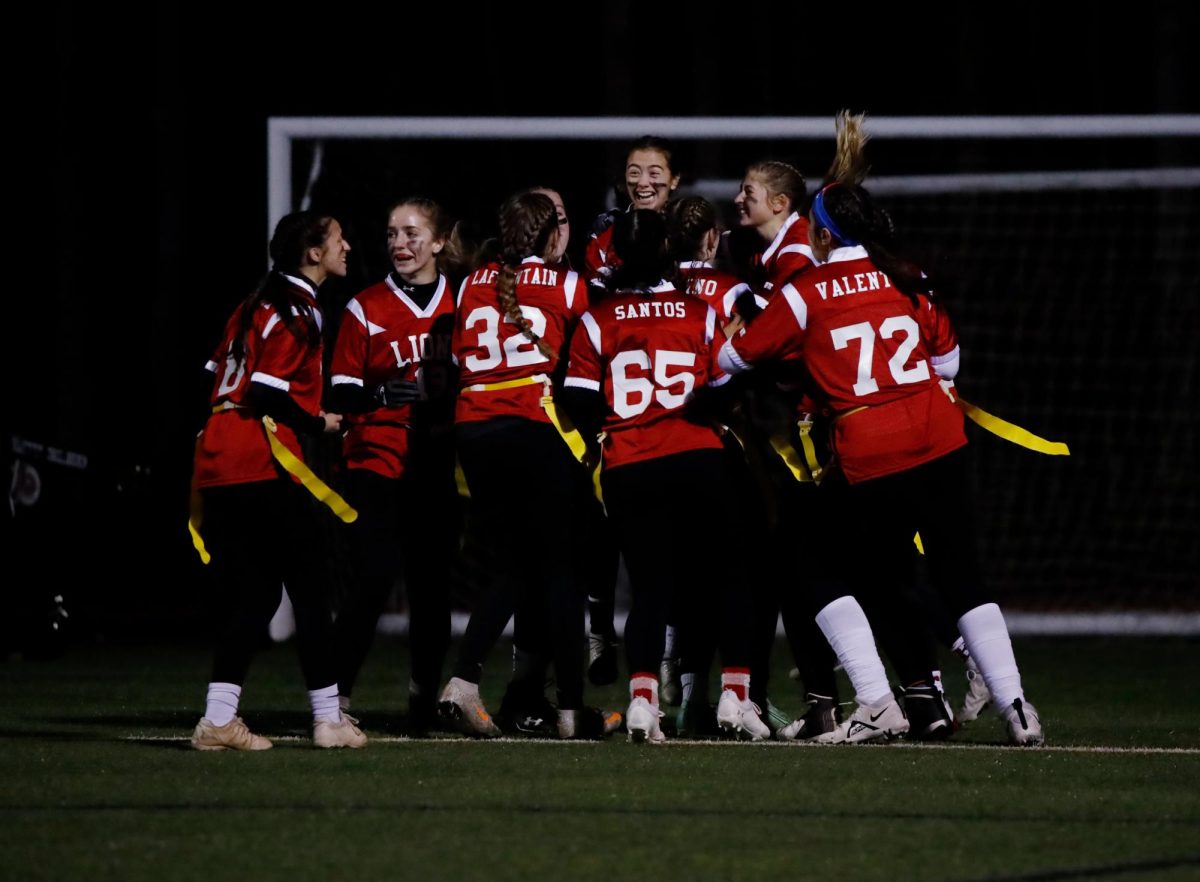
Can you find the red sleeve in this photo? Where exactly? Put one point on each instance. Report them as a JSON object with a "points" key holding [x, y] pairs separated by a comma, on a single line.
{"points": [[776, 335], [937, 333], [585, 369], [280, 355], [350, 351]]}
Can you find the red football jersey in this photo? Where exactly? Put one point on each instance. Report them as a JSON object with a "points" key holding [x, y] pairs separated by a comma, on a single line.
{"points": [[489, 348], [788, 255], [864, 346], [599, 259], [385, 335], [233, 447], [646, 353], [718, 289]]}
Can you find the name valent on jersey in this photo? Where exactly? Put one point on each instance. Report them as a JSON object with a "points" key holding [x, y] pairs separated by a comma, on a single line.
{"points": [[530, 275], [862, 282]]}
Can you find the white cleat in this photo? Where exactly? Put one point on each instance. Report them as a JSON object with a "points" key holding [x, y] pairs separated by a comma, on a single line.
{"points": [[461, 706], [1024, 724], [641, 721], [868, 723], [234, 735], [978, 697], [740, 717], [344, 733]]}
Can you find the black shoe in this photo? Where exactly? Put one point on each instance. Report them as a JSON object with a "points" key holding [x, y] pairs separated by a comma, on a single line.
{"points": [[823, 716], [531, 716], [929, 716], [422, 715]]}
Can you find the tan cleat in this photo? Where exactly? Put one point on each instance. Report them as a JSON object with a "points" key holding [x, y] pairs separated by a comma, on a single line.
{"points": [[232, 736], [341, 734]]}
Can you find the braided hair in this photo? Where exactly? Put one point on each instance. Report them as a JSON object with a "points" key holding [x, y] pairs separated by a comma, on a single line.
{"points": [[640, 237], [527, 221], [689, 220]]}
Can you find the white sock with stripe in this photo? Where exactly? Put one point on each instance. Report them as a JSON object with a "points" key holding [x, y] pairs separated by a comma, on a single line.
{"points": [[845, 626], [986, 636], [222, 704]]}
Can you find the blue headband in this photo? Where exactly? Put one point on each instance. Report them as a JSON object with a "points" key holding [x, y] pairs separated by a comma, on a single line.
{"points": [[824, 220]]}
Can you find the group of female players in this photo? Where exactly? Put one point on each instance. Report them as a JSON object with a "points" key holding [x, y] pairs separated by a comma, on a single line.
{"points": [[762, 440]]}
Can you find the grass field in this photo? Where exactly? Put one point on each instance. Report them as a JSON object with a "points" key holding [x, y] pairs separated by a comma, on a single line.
{"points": [[98, 783]]}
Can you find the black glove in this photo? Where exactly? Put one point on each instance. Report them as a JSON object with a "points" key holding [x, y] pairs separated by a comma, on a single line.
{"points": [[396, 392]]}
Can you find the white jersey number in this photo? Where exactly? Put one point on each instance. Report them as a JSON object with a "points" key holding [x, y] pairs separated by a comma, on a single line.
{"points": [[632, 394], [234, 371], [862, 331], [516, 349]]}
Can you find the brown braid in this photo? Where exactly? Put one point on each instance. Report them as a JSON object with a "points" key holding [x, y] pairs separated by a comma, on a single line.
{"points": [[689, 220], [527, 221], [781, 177]]}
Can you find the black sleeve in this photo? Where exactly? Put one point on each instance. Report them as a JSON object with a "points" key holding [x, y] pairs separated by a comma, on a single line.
{"points": [[585, 409], [349, 398], [266, 400]]}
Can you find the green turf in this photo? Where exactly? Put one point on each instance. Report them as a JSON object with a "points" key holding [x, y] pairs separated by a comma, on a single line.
{"points": [[91, 791]]}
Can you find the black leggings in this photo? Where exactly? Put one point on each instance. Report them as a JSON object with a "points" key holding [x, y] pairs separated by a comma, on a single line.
{"points": [[521, 476], [263, 536], [668, 514], [407, 523]]}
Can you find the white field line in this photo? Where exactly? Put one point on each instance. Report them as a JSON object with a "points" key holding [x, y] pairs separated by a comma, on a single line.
{"points": [[675, 742]]}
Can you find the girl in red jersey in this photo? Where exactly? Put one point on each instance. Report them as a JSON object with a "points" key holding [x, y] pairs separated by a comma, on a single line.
{"points": [[259, 523], [391, 376], [635, 361], [514, 315], [860, 323], [694, 237], [770, 202], [650, 179]]}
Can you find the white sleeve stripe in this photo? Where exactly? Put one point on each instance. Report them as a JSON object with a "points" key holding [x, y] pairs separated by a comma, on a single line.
{"points": [[461, 289], [593, 330], [345, 380], [732, 295], [799, 307], [798, 249], [582, 383], [720, 381], [946, 366], [730, 361], [211, 366], [268, 380], [271, 322], [569, 287], [710, 325], [356, 310]]}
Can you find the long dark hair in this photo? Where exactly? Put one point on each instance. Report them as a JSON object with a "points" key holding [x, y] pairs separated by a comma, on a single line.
{"points": [[856, 217], [640, 237], [527, 221], [294, 235]]}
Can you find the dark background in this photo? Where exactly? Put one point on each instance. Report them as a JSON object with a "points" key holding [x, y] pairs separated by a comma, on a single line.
{"points": [[158, 165]]}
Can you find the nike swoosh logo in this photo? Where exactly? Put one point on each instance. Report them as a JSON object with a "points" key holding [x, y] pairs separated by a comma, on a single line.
{"points": [[875, 717]]}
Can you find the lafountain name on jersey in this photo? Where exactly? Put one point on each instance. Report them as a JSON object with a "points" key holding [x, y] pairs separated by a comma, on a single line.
{"points": [[529, 275], [650, 309]]}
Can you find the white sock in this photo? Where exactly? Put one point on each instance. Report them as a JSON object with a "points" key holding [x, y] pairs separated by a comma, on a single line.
{"points": [[222, 704], [325, 704], [845, 626], [986, 637], [645, 686]]}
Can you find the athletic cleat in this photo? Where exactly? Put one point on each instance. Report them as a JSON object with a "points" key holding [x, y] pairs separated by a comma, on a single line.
{"points": [[978, 697], [340, 734], [775, 718], [232, 736], [670, 687], [869, 723], [532, 716], [929, 715], [823, 715], [462, 708], [740, 717], [602, 660], [1024, 724], [641, 722], [587, 723]]}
